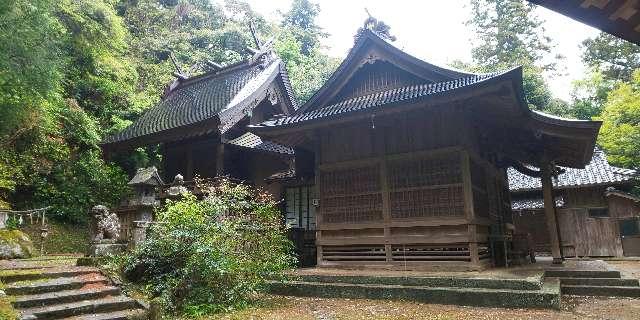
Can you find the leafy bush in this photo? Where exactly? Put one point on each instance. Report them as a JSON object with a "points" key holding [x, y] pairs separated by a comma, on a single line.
{"points": [[208, 255]]}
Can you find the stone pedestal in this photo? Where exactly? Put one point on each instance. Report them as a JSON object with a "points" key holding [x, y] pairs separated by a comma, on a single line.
{"points": [[106, 248]]}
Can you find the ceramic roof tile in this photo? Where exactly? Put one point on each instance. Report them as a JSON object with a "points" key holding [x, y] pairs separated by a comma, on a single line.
{"points": [[533, 203], [202, 98], [597, 172], [378, 99], [250, 140]]}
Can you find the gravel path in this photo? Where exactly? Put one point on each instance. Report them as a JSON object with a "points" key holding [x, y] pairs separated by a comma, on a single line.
{"points": [[289, 308]]}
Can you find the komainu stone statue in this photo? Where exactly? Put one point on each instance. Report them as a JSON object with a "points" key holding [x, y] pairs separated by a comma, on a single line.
{"points": [[106, 233], [107, 224]]}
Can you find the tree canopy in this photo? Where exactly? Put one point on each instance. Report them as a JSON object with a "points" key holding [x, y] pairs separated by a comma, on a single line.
{"points": [[510, 34], [73, 71], [620, 132]]}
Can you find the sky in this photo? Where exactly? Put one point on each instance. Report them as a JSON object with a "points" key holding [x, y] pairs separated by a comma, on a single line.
{"points": [[434, 30]]}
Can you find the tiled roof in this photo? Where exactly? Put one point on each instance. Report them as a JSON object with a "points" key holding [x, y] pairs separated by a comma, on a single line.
{"points": [[202, 98], [250, 140], [146, 176], [378, 99], [533, 203], [284, 175], [597, 172]]}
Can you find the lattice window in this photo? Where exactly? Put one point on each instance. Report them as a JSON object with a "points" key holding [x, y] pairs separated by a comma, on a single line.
{"points": [[358, 180], [352, 209], [436, 202], [424, 172]]}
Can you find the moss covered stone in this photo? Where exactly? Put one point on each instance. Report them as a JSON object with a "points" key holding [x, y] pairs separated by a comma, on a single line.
{"points": [[15, 244]]}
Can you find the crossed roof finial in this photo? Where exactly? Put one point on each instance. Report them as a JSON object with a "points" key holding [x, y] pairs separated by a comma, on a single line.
{"points": [[377, 26]]}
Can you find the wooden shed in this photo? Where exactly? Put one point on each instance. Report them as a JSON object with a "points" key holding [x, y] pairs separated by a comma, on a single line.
{"points": [[596, 214], [407, 160]]}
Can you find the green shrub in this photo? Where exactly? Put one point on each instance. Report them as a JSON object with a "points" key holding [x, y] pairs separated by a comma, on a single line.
{"points": [[208, 255]]}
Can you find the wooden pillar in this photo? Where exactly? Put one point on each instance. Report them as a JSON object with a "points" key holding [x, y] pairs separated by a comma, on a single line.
{"points": [[550, 212], [189, 174], [220, 159], [473, 245], [317, 153], [386, 213], [467, 184], [465, 163]]}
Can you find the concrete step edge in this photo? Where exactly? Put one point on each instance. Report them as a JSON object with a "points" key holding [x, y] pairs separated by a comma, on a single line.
{"points": [[607, 291], [532, 283], [45, 273], [51, 285], [129, 314], [455, 296], [64, 296], [626, 282], [582, 274], [102, 305]]}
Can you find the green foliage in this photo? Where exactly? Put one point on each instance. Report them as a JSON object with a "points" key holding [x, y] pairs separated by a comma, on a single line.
{"points": [[298, 44], [620, 132], [299, 21], [209, 255], [307, 72], [509, 35], [65, 76], [614, 58], [61, 238], [589, 95]]}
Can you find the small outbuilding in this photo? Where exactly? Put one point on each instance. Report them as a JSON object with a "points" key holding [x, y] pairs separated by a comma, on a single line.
{"points": [[597, 216]]}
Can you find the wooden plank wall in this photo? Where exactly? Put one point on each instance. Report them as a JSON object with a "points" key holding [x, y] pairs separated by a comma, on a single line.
{"points": [[581, 235], [393, 191]]}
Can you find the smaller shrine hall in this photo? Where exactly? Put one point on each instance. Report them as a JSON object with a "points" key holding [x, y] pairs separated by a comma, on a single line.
{"points": [[200, 122], [405, 162]]}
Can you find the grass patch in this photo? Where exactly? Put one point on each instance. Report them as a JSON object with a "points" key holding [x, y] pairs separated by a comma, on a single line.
{"points": [[62, 237], [7, 312]]}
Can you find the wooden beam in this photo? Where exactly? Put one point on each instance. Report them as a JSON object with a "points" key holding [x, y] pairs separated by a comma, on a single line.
{"points": [[550, 212], [220, 159]]}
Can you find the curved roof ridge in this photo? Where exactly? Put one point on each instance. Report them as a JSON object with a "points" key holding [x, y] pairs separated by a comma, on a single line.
{"points": [[369, 35], [383, 97]]}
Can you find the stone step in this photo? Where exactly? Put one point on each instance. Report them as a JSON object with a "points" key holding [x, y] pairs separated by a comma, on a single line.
{"points": [[547, 297], [65, 296], [94, 306], [615, 282], [607, 291], [133, 314], [44, 273], [51, 285], [582, 273], [533, 283]]}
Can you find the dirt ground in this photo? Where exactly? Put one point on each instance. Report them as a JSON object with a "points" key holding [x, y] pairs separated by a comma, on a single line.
{"points": [[573, 307], [293, 308]]}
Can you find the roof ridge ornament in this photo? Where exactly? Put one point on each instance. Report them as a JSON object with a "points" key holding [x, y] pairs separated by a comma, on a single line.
{"points": [[376, 26]]}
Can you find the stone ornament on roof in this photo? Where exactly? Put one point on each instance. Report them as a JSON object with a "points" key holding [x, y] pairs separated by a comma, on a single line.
{"points": [[378, 26]]}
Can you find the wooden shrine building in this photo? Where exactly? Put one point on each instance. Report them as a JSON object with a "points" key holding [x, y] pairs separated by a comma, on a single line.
{"points": [[201, 121], [597, 217], [408, 161]]}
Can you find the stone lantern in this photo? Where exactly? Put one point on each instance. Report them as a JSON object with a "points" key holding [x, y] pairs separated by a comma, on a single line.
{"points": [[145, 185]]}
